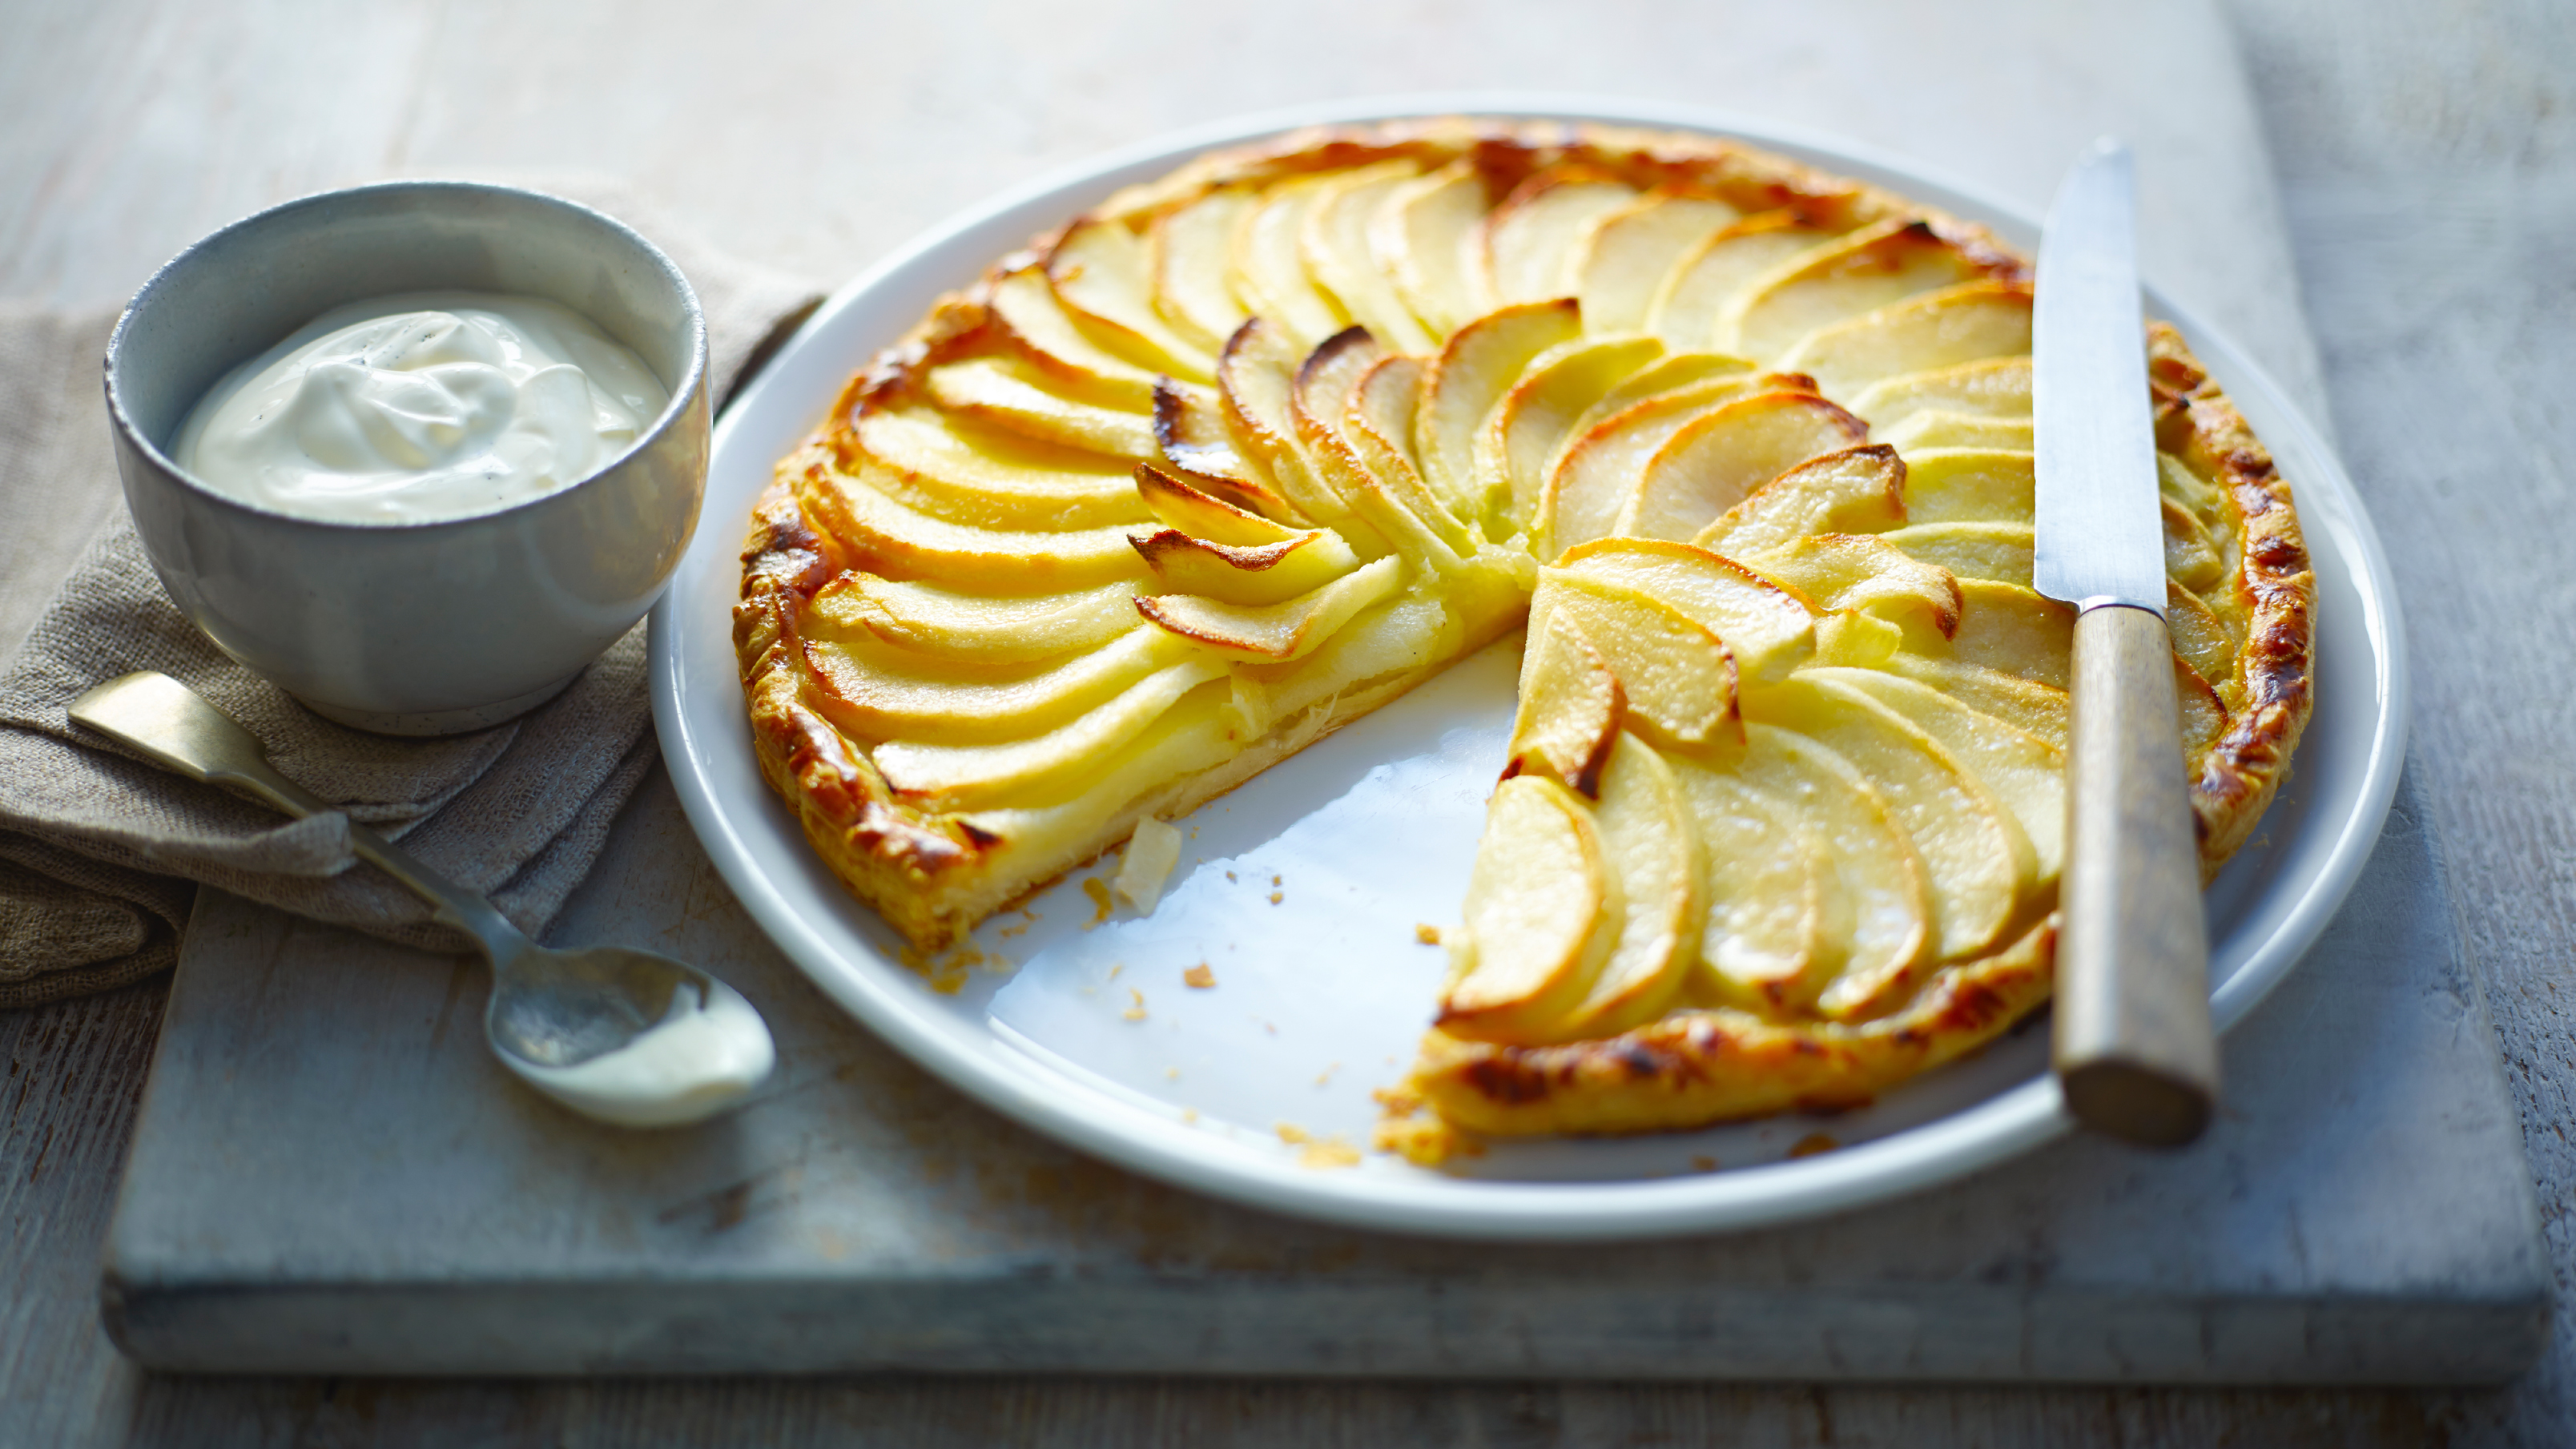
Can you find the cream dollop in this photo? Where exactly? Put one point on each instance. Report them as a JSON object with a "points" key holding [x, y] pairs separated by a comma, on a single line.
{"points": [[693, 1062], [420, 407]]}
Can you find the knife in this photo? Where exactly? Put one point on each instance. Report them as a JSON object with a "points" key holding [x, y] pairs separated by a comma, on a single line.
{"points": [[2135, 1053]]}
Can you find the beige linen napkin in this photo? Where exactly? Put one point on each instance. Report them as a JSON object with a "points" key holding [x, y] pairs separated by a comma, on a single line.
{"points": [[99, 854]]}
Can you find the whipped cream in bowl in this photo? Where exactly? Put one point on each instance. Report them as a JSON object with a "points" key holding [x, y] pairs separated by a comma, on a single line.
{"points": [[420, 407], [418, 451]]}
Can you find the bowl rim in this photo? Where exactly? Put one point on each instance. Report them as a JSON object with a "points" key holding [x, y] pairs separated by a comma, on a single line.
{"points": [[685, 390]]}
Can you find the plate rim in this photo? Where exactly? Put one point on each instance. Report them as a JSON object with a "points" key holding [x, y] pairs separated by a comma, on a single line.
{"points": [[2002, 1126]]}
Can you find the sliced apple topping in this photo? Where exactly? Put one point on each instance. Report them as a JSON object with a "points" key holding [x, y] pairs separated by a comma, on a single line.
{"points": [[1190, 253], [2010, 628], [1190, 428], [2035, 709], [1997, 551], [927, 619], [1709, 276], [1965, 323], [876, 692], [1530, 240], [1712, 463], [1769, 630], [1994, 387], [2199, 638], [1273, 632], [1202, 514], [1879, 264], [1476, 368], [1404, 635], [1041, 334], [888, 538], [1771, 938], [1042, 768], [1270, 265], [1976, 859], [1378, 424], [1349, 396], [1969, 485], [1678, 677], [1622, 260], [2025, 772], [1530, 946], [1935, 428], [1257, 574], [1652, 848], [1104, 277], [1421, 235], [1527, 429], [1838, 571], [1570, 709], [1257, 380], [1336, 245], [953, 469], [1597, 468], [1699, 373], [1012, 397], [2190, 558], [1855, 490]]}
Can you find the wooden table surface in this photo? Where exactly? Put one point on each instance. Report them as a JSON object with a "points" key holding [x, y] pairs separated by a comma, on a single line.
{"points": [[2427, 163]]}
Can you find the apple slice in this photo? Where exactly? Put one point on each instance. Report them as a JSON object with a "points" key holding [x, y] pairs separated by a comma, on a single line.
{"points": [[1102, 275], [1570, 709], [2204, 715], [1686, 307], [1259, 574], [1839, 571], [1768, 629], [1938, 428], [1408, 635], [1879, 921], [2200, 639], [874, 691], [1881, 263], [954, 469], [1477, 366], [1530, 240], [1672, 373], [1273, 632], [1344, 431], [1994, 387], [1189, 253], [1622, 261], [2025, 772], [1678, 677], [1969, 485], [1201, 514], [1997, 551], [1421, 236], [2036, 709], [1530, 946], [1044, 768], [2190, 558], [1191, 429], [1269, 271], [1256, 386], [1038, 332], [1936, 329], [1772, 936], [1651, 847], [1593, 473], [1977, 861], [886, 537], [1012, 396], [1531, 424], [1335, 241], [1711, 464], [980, 628], [2010, 628], [1855, 490]]}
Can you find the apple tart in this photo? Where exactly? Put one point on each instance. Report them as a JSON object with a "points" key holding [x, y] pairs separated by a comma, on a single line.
{"points": [[1251, 450]]}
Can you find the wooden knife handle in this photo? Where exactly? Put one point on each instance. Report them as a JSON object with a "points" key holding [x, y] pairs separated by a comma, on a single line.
{"points": [[2136, 1056]]}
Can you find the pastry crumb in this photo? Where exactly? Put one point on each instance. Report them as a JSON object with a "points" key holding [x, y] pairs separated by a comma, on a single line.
{"points": [[1171, 1074], [1327, 1074], [1152, 852], [1189, 1115], [1275, 880], [1115, 967], [1229, 875], [1101, 905], [1428, 935], [1293, 1135], [1137, 1011], [1704, 1164], [1812, 1144], [1199, 976]]}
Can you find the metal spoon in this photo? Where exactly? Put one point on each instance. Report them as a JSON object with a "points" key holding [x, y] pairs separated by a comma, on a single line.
{"points": [[621, 1035]]}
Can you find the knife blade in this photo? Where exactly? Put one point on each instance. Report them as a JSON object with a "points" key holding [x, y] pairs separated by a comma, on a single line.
{"points": [[2135, 1054]]}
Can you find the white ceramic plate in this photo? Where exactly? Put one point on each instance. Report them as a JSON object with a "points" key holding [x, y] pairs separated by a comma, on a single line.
{"points": [[1091, 1036]]}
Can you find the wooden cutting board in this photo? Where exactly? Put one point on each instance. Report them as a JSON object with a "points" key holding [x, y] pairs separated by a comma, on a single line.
{"points": [[330, 1176]]}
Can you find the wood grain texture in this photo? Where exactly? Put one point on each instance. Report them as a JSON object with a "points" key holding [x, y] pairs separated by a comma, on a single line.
{"points": [[2428, 158], [2134, 1047]]}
